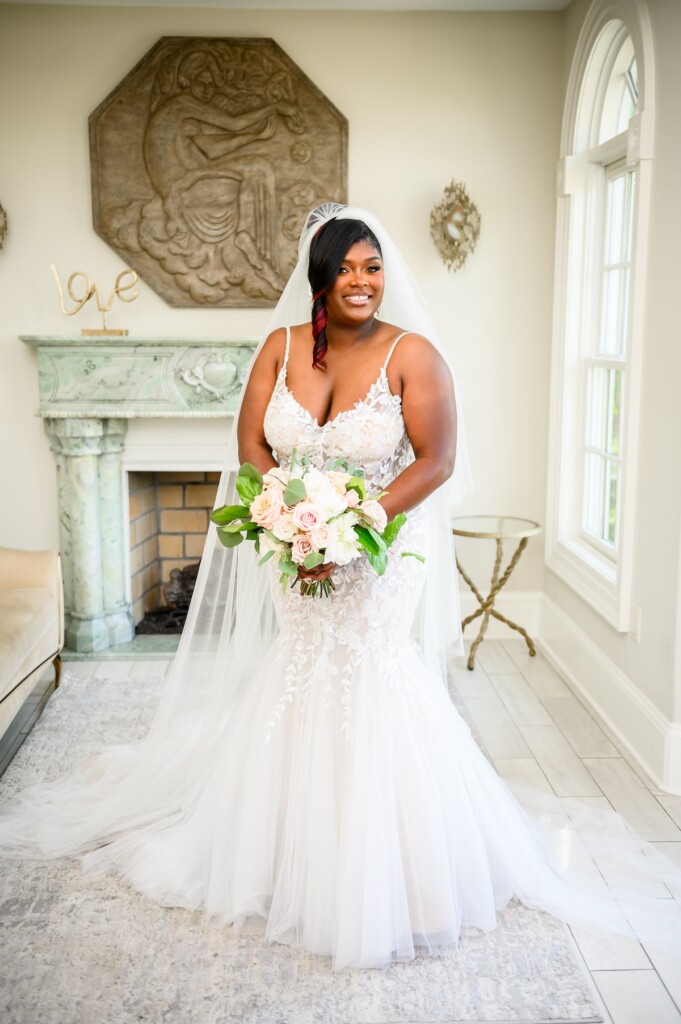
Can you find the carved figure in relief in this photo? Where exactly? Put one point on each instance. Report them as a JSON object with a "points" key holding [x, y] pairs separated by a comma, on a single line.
{"points": [[224, 148]]}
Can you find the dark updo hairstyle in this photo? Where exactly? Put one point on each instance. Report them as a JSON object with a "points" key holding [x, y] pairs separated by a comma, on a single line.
{"points": [[328, 249]]}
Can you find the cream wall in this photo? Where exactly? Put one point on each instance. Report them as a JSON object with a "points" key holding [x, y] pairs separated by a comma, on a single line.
{"points": [[429, 97]]}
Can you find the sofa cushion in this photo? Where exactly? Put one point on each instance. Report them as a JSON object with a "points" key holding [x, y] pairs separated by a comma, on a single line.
{"points": [[27, 614]]}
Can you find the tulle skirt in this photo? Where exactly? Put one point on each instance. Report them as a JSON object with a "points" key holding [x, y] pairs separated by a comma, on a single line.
{"points": [[364, 823]]}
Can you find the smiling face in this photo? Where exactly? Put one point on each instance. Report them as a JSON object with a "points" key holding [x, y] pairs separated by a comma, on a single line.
{"points": [[358, 289]]}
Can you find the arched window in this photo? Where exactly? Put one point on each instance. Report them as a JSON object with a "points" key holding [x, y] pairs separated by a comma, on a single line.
{"points": [[603, 201]]}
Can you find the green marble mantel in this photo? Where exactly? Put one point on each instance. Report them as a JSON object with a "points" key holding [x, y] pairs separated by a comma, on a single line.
{"points": [[94, 377], [89, 388]]}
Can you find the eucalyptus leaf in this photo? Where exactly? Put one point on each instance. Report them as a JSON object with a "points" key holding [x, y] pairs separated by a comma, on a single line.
{"points": [[294, 492], [266, 558], [288, 566], [313, 559], [230, 540]]}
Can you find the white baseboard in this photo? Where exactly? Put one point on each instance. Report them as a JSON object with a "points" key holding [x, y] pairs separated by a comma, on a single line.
{"points": [[651, 738]]}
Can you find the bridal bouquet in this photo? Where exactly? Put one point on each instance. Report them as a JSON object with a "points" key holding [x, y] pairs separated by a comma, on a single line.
{"points": [[304, 516]]}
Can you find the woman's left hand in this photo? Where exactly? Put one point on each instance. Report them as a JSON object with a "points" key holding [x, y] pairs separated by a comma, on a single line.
{"points": [[320, 572]]}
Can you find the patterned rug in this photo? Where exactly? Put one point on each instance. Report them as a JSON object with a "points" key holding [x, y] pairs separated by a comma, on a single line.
{"points": [[93, 951]]}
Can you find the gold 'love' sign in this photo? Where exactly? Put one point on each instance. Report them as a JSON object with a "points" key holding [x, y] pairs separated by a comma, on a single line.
{"points": [[126, 282]]}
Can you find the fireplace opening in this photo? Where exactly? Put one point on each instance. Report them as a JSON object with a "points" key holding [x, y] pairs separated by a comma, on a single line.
{"points": [[169, 517]]}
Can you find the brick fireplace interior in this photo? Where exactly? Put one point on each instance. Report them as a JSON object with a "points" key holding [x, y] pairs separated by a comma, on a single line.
{"points": [[168, 521]]}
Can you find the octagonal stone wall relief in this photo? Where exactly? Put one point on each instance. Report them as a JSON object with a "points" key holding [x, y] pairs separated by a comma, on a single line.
{"points": [[205, 159]]}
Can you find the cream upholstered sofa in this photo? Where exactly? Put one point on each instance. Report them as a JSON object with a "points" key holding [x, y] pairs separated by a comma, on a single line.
{"points": [[31, 624]]}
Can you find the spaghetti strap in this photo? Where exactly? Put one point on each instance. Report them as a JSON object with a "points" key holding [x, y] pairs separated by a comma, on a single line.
{"points": [[392, 348], [288, 345]]}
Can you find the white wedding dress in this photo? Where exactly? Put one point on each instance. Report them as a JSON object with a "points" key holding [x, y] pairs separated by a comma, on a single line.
{"points": [[344, 799]]}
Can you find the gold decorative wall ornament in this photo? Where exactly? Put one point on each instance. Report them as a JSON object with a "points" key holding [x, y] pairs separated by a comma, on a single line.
{"points": [[126, 281], [205, 160], [455, 226], [3, 225]]}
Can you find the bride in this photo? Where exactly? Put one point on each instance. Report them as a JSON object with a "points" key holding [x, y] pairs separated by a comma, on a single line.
{"points": [[306, 763]]}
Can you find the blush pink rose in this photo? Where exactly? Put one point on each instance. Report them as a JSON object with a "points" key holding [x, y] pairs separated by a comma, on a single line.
{"points": [[267, 507], [307, 516], [302, 547], [352, 498], [377, 513]]}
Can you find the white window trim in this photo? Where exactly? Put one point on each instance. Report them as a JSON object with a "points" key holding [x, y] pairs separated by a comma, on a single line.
{"points": [[602, 583]]}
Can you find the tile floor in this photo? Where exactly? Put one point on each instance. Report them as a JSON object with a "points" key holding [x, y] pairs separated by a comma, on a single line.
{"points": [[538, 733]]}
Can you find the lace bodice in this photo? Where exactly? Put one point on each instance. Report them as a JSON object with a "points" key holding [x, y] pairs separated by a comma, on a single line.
{"points": [[371, 435], [329, 638]]}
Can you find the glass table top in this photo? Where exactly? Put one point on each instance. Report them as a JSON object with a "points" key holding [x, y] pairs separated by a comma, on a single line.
{"points": [[494, 526]]}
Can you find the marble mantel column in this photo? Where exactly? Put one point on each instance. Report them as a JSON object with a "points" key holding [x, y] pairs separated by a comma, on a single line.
{"points": [[89, 388], [88, 455]]}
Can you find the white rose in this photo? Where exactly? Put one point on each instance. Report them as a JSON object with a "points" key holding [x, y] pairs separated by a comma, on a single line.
{"points": [[321, 491], [377, 513], [268, 543], [285, 528], [320, 536], [343, 545]]}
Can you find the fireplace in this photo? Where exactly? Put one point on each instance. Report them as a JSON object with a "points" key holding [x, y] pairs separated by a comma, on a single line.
{"points": [[169, 516], [113, 408]]}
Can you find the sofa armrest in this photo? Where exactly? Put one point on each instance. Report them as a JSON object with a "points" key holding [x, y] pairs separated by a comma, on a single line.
{"points": [[34, 569], [28, 569]]}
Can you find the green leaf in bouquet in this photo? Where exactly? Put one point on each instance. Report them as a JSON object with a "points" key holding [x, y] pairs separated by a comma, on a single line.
{"points": [[235, 527], [371, 541], [249, 483], [379, 561], [228, 513], [230, 540], [288, 566], [266, 558], [313, 559], [295, 491], [393, 528], [356, 483], [412, 554], [288, 569], [248, 471]]}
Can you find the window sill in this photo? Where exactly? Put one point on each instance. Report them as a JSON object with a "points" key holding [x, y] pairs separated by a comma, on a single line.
{"points": [[593, 577]]}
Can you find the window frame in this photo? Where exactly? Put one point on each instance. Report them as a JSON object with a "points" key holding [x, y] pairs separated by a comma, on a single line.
{"points": [[601, 580]]}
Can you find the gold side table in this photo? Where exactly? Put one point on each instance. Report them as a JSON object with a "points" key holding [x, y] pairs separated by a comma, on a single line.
{"points": [[499, 529]]}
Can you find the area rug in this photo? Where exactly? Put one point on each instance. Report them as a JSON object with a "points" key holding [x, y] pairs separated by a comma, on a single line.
{"points": [[93, 951]]}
